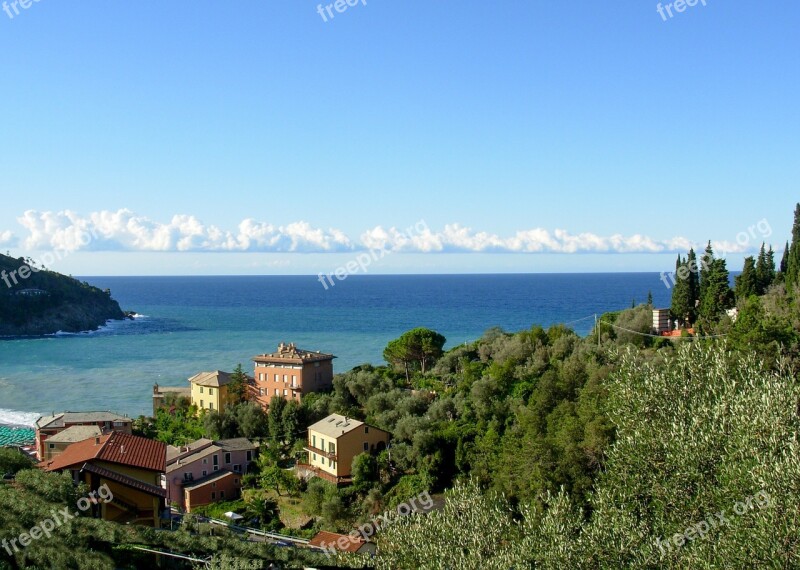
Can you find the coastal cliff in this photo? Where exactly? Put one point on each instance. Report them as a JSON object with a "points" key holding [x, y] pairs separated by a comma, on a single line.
{"points": [[35, 301]]}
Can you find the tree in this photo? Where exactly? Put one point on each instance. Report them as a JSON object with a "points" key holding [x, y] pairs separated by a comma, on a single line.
{"points": [[793, 261], [364, 470], [715, 291], [764, 270], [682, 307], [238, 385], [747, 283], [417, 348], [275, 419], [694, 283]]}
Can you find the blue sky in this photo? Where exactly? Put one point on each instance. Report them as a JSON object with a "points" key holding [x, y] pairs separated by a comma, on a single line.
{"points": [[255, 137]]}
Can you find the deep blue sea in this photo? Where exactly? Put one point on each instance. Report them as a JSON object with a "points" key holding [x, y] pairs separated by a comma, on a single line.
{"points": [[191, 324]]}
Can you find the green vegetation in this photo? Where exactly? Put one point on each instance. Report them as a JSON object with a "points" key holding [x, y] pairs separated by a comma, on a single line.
{"points": [[554, 451], [66, 304]]}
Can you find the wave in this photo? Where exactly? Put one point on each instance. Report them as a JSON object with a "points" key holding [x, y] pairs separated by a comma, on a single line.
{"points": [[112, 326], [17, 418]]}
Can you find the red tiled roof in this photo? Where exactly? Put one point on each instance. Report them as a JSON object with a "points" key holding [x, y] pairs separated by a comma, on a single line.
{"points": [[115, 447], [325, 539]]}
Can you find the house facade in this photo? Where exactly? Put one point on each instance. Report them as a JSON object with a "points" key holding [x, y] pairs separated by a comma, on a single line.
{"points": [[57, 444], [190, 467], [209, 390], [289, 373], [48, 426], [131, 467], [335, 441]]}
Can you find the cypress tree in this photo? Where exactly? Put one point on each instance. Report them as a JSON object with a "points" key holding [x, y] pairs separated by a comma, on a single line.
{"points": [[694, 284], [785, 259], [793, 262], [682, 305], [717, 295], [706, 262], [765, 270], [747, 282]]}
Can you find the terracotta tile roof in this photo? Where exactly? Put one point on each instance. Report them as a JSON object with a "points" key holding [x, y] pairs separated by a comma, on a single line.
{"points": [[115, 447], [71, 418], [325, 539]]}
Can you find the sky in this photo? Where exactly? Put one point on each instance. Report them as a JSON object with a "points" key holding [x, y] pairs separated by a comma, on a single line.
{"points": [[279, 137]]}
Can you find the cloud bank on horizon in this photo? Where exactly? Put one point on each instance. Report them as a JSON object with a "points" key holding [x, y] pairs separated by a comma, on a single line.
{"points": [[124, 230]]}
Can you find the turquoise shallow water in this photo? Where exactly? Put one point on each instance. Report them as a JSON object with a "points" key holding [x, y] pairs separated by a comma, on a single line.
{"points": [[190, 324]]}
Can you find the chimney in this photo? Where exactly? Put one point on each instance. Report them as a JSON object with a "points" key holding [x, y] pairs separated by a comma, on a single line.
{"points": [[122, 450], [97, 441]]}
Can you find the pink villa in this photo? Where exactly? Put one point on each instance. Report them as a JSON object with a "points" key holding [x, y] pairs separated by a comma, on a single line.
{"points": [[207, 471]]}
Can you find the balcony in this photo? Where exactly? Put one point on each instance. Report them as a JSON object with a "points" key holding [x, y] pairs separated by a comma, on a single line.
{"points": [[325, 454]]}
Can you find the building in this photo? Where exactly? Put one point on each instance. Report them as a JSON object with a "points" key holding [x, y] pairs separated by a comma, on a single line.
{"points": [[209, 390], [162, 393], [131, 467], [335, 441], [291, 372], [661, 321], [48, 426], [194, 472], [332, 543], [56, 444], [31, 293]]}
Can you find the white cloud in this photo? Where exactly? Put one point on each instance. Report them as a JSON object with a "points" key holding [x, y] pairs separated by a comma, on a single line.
{"points": [[124, 230], [7, 238], [459, 239]]}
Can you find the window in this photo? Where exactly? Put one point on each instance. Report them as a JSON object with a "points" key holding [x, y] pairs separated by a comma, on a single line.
{"points": [[202, 405], [237, 468], [222, 494], [52, 446], [366, 446], [201, 389], [213, 496], [366, 429], [277, 378], [249, 456], [188, 477], [227, 458], [205, 473], [211, 405], [216, 460], [294, 380], [285, 392], [216, 467], [211, 391], [331, 447], [315, 456], [205, 461], [213, 485], [277, 392], [261, 391], [313, 441], [285, 378], [235, 481], [322, 447], [119, 424]]}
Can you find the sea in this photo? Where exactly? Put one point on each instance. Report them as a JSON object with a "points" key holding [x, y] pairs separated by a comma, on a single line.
{"points": [[185, 325]]}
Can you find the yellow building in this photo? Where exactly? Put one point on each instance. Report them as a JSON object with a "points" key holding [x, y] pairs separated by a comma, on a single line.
{"points": [[130, 468], [334, 442], [209, 390]]}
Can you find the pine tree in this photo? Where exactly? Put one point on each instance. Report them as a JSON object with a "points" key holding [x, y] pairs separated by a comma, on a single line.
{"points": [[793, 262], [650, 298], [765, 270], [747, 282]]}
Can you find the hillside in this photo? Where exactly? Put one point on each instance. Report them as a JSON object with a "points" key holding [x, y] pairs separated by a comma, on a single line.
{"points": [[35, 301]]}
